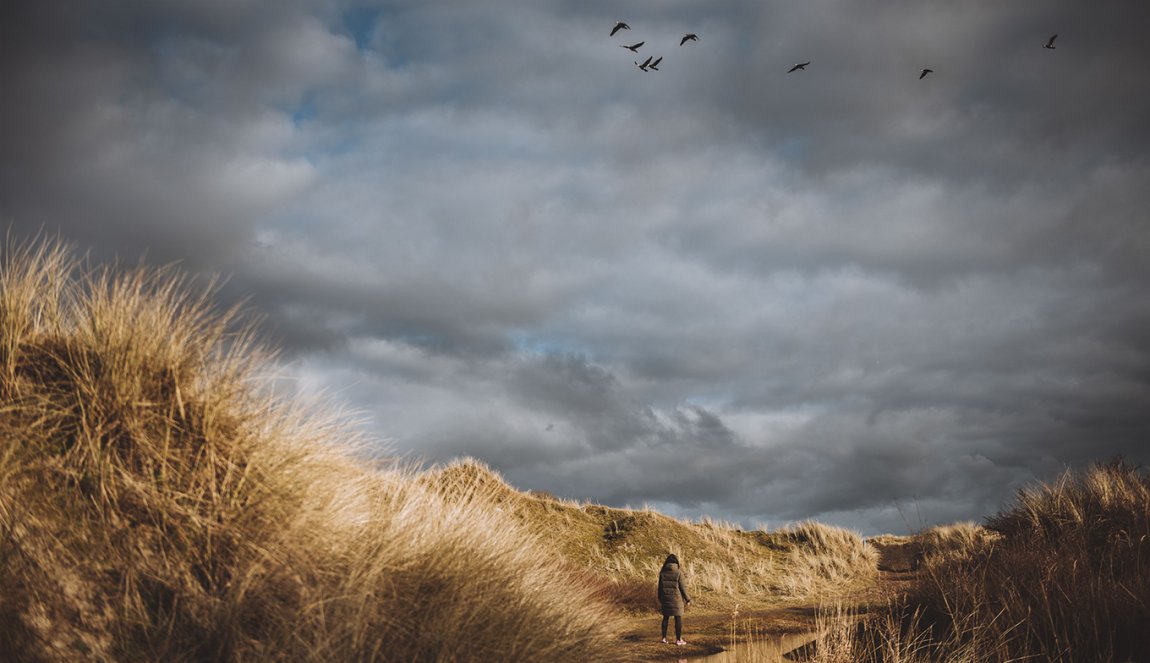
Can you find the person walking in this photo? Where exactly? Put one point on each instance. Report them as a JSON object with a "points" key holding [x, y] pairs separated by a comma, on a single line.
{"points": [[672, 597]]}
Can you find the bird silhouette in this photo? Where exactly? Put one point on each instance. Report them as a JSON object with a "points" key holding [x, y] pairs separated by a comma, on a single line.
{"points": [[619, 26], [800, 66], [655, 65], [690, 36], [634, 48], [1050, 43], [924, 73], [646, 63]]}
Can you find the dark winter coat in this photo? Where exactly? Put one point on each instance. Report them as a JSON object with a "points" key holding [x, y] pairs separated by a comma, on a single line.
{"points": [[672, 593]]}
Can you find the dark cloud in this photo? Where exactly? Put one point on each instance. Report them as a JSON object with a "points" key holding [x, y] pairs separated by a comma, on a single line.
{"points": [[134, 127], [720, 288]]}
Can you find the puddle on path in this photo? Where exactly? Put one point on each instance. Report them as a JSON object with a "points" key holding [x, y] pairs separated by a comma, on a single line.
{"points": [[760, 651]]}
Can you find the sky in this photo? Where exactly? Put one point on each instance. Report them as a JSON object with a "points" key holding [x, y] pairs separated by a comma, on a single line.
{"points": [[718, 289]]}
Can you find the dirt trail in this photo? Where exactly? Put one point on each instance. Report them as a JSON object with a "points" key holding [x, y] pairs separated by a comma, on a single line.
{"points": [[709, 632], [898, 562]]}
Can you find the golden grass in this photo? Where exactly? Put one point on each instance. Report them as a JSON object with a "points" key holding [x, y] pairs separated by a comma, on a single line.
{"points": [[620, 551], [1068, 579], [1061, 575], [825, 559], [908, 553], [159, 501], [955, 539]]}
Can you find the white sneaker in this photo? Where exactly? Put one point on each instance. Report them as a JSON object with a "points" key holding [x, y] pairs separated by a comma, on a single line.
{"points": [[680, 642], [664, 640]]}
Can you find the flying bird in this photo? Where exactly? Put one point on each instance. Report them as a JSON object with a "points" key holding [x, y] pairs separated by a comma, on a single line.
{"points": [[634, 48], [655, 65], [1050, 42], [924, 73], [619, 26], [646, 63], [800, 66], [690, 36]]}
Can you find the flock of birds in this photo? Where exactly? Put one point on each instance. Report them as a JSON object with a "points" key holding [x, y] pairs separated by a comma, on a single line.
{"points": [[652, 63]]}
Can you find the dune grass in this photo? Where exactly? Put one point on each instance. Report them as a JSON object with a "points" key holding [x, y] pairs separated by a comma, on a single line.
{"points": [[1063, 574], [620, 551], [1066, 579], [825, 559], [160, 501]]}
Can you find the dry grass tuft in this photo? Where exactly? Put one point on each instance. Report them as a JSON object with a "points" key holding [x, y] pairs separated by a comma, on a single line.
{"points": [[1062, 575], [618, 552], [825, 559], [159, 501], [907, 553], [893, 634], [956, 539]]}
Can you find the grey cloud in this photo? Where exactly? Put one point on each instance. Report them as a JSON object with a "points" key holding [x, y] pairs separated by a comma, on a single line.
{"points": [[141, 128], [719, 288]]}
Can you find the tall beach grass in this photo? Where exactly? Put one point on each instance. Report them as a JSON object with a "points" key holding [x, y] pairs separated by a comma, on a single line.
{"points": [[159, 500], [1066, 578], [1062, 574], [619, 551]]}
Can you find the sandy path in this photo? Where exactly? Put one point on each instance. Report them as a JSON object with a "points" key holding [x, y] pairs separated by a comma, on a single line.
{"points": [[710, 632]]}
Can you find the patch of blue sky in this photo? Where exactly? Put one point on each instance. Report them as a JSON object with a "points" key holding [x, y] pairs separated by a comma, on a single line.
{"points": [[326, 142], [360, 23], [305, 111], [364, 25]]}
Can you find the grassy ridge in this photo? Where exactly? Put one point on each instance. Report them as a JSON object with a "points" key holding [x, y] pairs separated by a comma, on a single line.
{"points": [[1063, 574], [620, 551], [159, 501], [1066, 578]]}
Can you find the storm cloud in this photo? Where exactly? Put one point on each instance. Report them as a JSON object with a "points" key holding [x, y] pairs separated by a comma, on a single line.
{"points": [[719, 289]]}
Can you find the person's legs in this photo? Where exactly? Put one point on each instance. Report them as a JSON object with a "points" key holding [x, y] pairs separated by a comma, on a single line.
{"points": [[678, 627], [665, 618]]}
